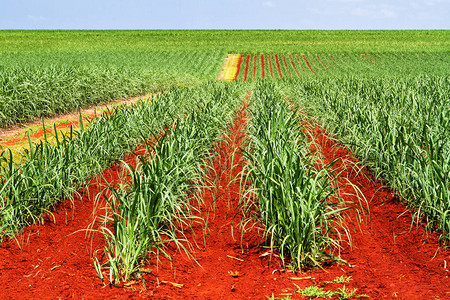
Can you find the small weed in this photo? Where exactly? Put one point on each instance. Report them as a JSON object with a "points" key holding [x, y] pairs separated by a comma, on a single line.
{"points": [[341, 279], [344, 293], [316, 292], [341, 293]]}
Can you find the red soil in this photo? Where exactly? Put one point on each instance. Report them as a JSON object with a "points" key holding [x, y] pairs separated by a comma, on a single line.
{"points": [[313, 61], [54, 260], [277, 62], [285, 65], [293, 64], [227, 271], [367, 57], [238, 67], [254, 67], [263, 73], [331, 56], [301, 65], [309, 66], [247, 61], [328, 61], [318, 58], [387, 261], [270, 65]]}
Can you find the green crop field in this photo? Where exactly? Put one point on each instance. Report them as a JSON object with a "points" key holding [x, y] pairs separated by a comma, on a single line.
{"points": [[383, 94], [43, 73]]}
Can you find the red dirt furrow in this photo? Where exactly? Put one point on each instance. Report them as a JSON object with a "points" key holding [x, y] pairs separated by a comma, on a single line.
{"points": [[367, 57], [301, 65], [270, 65], [54, 260], [263, 74], [238, 67], [293, 65], [307, 63], [254, 67], [318, 58], [285, 65], [389, 259], [329, 62], [313, 61], [247, 61], [227, 271], [331, 56], [277, 62]]}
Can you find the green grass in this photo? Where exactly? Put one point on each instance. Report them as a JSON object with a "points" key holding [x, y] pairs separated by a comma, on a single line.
{"points": [[43, 73], [236, 41]]}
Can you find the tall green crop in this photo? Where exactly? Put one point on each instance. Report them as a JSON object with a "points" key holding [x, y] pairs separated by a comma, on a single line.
{"points": [[52, 172], [294, 199], [400, 127], [154, 207]]}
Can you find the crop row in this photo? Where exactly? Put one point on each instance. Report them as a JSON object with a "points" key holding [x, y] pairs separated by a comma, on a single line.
{"points": [[154, 207], [37, 85], [50, 172], [399, 127], [292, 65], [292, 193]]}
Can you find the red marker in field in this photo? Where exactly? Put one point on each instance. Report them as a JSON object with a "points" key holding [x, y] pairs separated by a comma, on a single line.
{"points": [[317, 55], [307, 63], [303, 69], [285, 65], [254, 67], [313, 61]]}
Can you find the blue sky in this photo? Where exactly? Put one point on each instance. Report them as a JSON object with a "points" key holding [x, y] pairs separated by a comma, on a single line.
{"points": [[224, 14]]}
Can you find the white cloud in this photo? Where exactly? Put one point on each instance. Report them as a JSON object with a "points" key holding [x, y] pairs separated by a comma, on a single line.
{"points": [[268, 4]]}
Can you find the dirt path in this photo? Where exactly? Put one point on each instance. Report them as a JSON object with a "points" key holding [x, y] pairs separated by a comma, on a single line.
{"points": [[15, 137]]}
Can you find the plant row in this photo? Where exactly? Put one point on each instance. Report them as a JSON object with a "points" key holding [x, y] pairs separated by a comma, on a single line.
{"points": [[298, 65], [53, 171], [156, 206], [399, 127], [292, 193]]}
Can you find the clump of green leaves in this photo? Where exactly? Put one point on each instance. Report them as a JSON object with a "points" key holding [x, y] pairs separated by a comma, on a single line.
{"points": [[341, 293], [155, 207], [292, 195]]}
